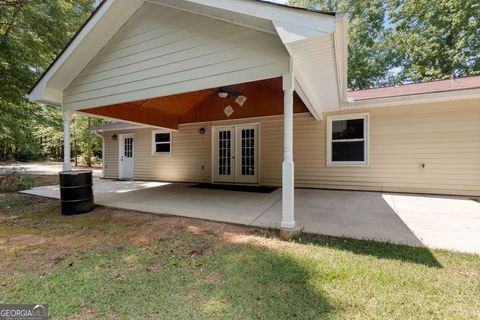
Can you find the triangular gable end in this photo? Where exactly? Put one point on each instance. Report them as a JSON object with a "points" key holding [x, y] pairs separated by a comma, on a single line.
{"points": [[164, 47]]}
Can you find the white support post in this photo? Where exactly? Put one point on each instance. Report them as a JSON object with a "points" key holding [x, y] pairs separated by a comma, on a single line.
{"points": [[288, 217], [67, 118]]}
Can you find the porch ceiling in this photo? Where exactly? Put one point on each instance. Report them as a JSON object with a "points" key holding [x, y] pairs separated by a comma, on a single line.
{"points": [[264, 98]]}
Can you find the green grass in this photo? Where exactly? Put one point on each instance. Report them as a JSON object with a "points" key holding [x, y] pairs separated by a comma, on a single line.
{"points": [[19, 181], [125, 265]]}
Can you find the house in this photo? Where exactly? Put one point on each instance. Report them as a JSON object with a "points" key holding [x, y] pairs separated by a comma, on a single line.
{"points": [[250, 92]]}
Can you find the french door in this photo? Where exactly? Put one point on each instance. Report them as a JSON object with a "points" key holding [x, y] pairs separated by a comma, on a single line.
{"points": [[236, 154]]}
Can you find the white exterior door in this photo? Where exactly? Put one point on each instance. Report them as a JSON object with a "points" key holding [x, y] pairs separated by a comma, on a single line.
{"points": [[126, 156], [236, 154]]}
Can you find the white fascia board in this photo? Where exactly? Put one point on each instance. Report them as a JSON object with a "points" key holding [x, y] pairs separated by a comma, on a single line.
{"points": [[307, 84], [306, 101], [340, 39], [291, 33], [465, 94], [41, 93], [292, 16], [49, 96]]}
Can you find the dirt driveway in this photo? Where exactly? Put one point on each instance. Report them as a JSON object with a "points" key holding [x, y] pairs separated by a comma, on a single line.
{"points": [[47, 168]]}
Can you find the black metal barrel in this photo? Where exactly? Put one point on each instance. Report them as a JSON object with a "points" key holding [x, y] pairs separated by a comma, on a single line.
{"points": [[76, 192]]}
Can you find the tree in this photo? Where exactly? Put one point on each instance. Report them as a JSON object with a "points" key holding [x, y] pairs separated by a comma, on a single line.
{"points": [[436, 40], [86, 143], [32, 33], [370, 55], [403, 41]]}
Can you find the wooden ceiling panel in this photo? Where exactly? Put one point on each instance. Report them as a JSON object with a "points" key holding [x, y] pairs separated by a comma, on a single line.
{"points": [[132, 113], [264, 98], [179, 104]]}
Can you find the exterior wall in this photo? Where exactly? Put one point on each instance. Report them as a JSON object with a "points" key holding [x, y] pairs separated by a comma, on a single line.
{"points": [[443, 136], [162, 51]]}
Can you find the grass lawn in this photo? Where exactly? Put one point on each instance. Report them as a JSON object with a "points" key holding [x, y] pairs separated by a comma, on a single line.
{"points": [[112, 263]]}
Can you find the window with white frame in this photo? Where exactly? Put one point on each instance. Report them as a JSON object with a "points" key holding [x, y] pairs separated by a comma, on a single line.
{"points": [[161, 142], [347, 139]]}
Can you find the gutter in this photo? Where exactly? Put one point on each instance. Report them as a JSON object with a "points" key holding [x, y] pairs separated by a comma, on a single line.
{"points": [[462, 94]]}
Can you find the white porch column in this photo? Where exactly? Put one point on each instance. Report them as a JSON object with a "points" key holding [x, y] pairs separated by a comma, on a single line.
{"points": [[288, 218], [67, 118]]}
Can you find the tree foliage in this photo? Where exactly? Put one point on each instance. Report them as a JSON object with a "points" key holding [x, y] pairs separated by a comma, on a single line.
{"points": [[436, 40], [370, 55], [397, 41], [390, 41], [32, 33]]}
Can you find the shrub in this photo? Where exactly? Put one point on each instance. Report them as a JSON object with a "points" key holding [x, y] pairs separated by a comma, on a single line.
{"points": [[25, 182]]}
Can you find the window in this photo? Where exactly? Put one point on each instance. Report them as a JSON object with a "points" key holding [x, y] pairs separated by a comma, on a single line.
{"points": [[347, 139], [161, 142]]}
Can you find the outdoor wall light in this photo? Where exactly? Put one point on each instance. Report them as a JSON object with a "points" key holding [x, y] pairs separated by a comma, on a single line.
{"points": [[114, 137], [223, 94], [202, 131]]}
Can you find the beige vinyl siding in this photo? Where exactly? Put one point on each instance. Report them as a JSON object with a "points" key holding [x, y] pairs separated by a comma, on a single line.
{"points": [[160, 47], [111, 155], [189, 160], [443, 136]]}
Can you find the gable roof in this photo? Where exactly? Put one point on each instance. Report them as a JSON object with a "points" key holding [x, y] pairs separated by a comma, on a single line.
{"points": [[416, 88], [102, 2], [315, 39]]}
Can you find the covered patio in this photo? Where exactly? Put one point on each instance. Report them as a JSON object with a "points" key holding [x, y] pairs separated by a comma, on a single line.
{"points": [[158, 63], [417, 220]]}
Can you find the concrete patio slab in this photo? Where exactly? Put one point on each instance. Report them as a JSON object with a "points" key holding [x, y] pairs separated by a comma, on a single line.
{"points": [[419, 220]]}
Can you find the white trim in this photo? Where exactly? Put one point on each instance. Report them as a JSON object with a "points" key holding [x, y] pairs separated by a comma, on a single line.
{"points": [[120, 142], [288, 166], [211, 16], [340, 39], [258, 147], [366, 134], [154, 144], [398, 101], [264, 10]]}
